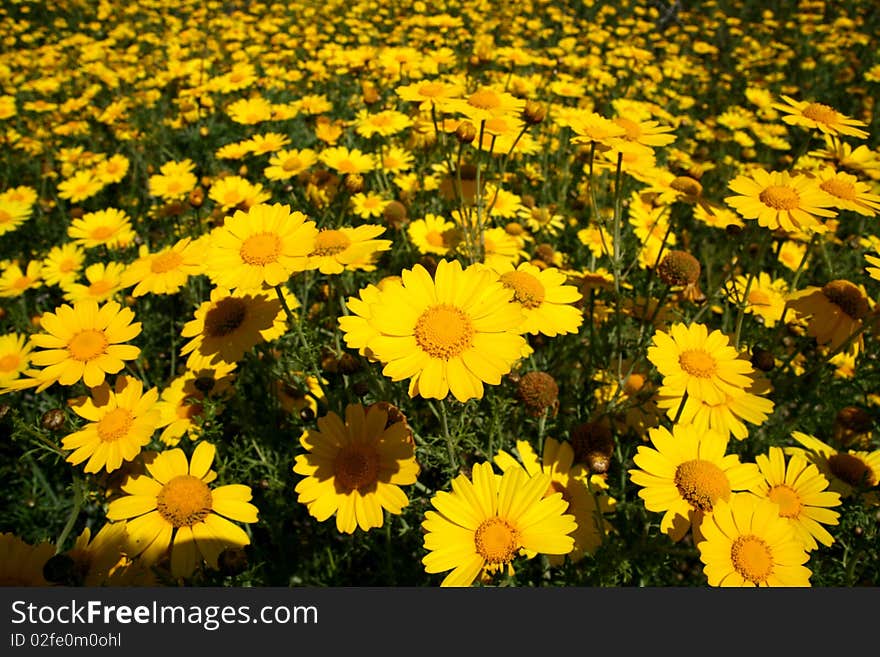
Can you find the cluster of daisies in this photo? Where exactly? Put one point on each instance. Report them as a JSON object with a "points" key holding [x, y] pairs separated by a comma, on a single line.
{"points": [[471, 211]]}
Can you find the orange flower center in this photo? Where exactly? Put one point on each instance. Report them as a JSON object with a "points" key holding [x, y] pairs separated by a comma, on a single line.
{"points": [[527, 290], [444, 331], [780, 197], [100, 288], [184, 501], [698, 362], [165, 262], [329, 242], [434, 238], [357, 467], [840, 188], [87, 344], [752, 558], [820, 113], [633, 130], [261, 249], [5, 217], [484, 99], [102, 232], [789, 501], [66, 266], [225, 317], [115, 425], [758, 298], [232, 197], [431, 89], [9, 362], [701, 483], [496, 540], [292, 163]]}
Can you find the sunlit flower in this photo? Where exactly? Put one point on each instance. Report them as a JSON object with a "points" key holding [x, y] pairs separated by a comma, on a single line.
{"points": [[111, 228], [165, 271], [352, 248], [104, 281], [545, 298], [820, 117], [356, 469], [173, 508]]}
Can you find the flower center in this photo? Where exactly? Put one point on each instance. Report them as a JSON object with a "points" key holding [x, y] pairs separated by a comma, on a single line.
{"points": [[633, 131], [102, 232], [701, 483], [527, 289], [496, 540], [232, 197], [484, 99], [225, 317], [330, 242], [840, 188], [752, 558], [698, 362], [115, 425], [820, 113], [5, 217], [9, 363], [260, 249], [357, 467], [66, 266], [780, 197], [99, 288], [346, 166], [434, 238], [291, 164], [847, 297], [431, 89], [443, 331], [788, 500], [184, 501], [87, 344], [758, 298], [851, 469], [165, 262]]}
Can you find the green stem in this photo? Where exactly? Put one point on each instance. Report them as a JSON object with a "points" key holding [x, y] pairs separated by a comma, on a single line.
{"points": [[74, 513], [450, 445]]}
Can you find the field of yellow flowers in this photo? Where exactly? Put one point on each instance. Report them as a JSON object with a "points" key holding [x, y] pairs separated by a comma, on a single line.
{"points": [[439, 294]]}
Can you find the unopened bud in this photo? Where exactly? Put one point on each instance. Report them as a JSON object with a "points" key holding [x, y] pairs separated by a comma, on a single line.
{"points": [[466, 132]]}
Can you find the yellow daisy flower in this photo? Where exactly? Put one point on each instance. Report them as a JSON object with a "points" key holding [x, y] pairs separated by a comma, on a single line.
{"points": [[544, 297], [343, 160], [355, 469], [847, 471], [80, 186], [338, 249], [84, 341], [704, 365], [111, 228], [482, 525], [570, 480], [434, 234], [104, 281], [835, 312], [848, 192], [174, 509], [801, 492], [15, 357], [778, 199], [685, 474], [286, 164], [165, 271], [747, 543], [766, 298], [237, 192], [174, 180], [229, 324], [450, 333], [63, 263], [821, 117], [14, 281], [121, 422], [13, 214], [264, 245]]}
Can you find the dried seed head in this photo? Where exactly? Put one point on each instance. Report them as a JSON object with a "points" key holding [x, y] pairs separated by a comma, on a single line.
{"points": [[395, 415], [848, 297], [538, 392], [679, 268], [354, 183], [533, 113], [853, 427], [395, 214], [53, 420], [466, 132]]}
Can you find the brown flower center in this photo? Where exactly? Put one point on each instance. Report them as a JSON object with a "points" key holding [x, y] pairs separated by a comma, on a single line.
{"points": [[225, 317], [852, 470], [847, 297], [357, 467]]}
